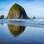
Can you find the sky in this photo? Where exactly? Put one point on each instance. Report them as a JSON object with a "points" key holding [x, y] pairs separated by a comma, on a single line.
{"points": [[32, 7]]}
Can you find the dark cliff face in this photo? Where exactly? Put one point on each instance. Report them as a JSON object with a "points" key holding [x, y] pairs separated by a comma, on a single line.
{"points": [[23, 13], [16, 12]]}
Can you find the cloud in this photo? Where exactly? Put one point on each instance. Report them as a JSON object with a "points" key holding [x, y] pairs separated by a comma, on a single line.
{"points": [[16, 0], [1, 9], [26, 0]]}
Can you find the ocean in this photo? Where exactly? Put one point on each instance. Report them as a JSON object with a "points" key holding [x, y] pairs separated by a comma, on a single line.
{"points": [[32, 34]]}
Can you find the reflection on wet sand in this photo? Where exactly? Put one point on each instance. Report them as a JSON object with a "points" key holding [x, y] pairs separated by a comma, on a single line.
{"points": [[16, 30]]}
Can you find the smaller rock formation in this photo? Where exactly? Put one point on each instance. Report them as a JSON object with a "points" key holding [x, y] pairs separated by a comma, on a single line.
{"points": [[34, 17], [2, 17]]}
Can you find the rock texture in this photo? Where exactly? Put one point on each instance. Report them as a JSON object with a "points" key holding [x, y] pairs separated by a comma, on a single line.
{"points": [[16, 11]]}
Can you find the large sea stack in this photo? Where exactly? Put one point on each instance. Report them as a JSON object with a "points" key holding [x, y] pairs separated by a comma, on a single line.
{"points": [[16, 12]]}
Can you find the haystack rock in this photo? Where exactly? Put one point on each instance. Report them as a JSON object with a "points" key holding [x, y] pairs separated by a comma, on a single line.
{"points": [[16, 12]]}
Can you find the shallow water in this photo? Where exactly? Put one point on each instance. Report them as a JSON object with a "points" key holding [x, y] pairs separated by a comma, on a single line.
{"points": [[30, 35]]}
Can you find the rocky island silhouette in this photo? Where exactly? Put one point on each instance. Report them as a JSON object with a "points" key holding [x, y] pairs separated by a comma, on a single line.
{"points": [[16, 12]]}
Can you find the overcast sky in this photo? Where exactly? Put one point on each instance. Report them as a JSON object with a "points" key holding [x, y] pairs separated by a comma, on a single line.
{"points": [[32, 7]]}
